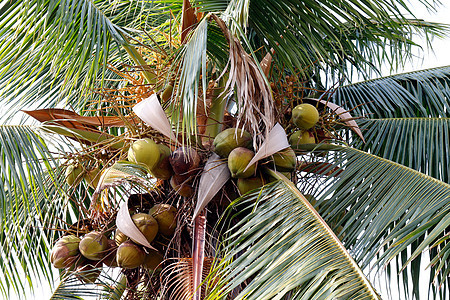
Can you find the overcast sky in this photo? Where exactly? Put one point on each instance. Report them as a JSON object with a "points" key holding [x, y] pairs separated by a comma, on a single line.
{"points": [[440, 54]]}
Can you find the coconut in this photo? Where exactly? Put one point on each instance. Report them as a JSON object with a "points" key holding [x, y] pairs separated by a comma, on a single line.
{"points": [[230, 139], [65, 251], [285, 160], [152, 260], [110, 257], [167, 93], [119, 237], [129, 255], [147, 225], [301, 137], [73, 173], [305, 116], [183, 188], [144, 151], [92, 177], [238, 161], [87, 272], [184, 160], [163, 169], [165, 215], [93, 245], [245, 185]]}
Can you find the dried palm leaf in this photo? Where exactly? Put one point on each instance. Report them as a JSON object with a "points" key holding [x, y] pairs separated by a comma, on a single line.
{"points": [[252, 90], [178, 278]]}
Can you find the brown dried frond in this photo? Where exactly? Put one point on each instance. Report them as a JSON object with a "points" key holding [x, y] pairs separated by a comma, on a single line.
{"points": [[256, 111], [177, 279]]}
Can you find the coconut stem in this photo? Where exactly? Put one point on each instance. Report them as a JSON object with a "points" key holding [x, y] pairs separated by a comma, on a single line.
{"points": [[217, 110]]}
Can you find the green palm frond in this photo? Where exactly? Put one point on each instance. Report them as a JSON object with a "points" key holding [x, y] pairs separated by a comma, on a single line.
{"points": [[418, 143], [282, 248], [192, 76], [25, 161], [384, 208], [51, 50], [70, 287], [414, 94], [32, 201], [309, 33]]}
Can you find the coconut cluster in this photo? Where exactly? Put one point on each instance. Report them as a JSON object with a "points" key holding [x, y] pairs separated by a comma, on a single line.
{"points": [[235, 145], [175, 170], [179, 166], [305, 117], [84, 256], [161, 219]]}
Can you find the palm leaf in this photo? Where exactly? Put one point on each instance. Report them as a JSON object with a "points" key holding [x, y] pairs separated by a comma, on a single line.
{"points": [[57, 49], [106, 287], [387, 208], [193, 61], [418, 143], [33, 199], [283, 247], [414, 94], [309, 32]]}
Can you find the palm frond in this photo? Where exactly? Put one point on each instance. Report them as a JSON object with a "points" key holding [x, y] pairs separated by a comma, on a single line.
{"points": [[70, 287], [32, 202], [335, 34], [283, 248], [385, 209], [418, 143], [192, 76], [51, 50], [414, 94]]}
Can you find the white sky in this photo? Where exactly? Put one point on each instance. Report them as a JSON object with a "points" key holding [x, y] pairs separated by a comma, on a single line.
{"points": [[440, 56]]}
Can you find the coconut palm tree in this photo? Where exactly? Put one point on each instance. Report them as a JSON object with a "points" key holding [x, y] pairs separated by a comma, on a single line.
{"points": [[367, 193]]}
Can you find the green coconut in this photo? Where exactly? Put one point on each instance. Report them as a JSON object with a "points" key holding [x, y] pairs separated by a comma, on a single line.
{"points": [[238, 161], [144, 151], [73, 173], [65, 251], [246, 185], [152, 260], [119, 237], [230, 139], [305, 116], [129, 255], [166, 216], [163, 169], [167, 93], [285, 160], [147, 225], [301, 137], [93, 245]]}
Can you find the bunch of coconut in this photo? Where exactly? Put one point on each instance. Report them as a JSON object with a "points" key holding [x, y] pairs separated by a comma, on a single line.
{"points": [[235, 145], [178, 166], [153, 156], [305, 117], [161, 219], [79, 256]]}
